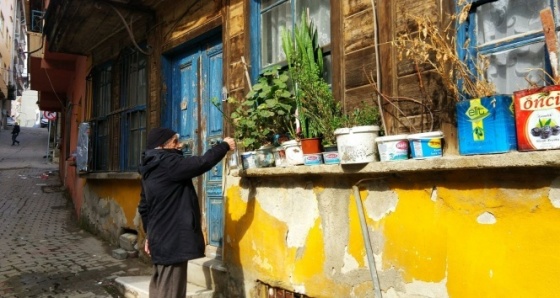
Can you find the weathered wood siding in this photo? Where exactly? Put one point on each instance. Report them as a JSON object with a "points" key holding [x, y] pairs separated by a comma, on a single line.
{"points": [[398, 78]]}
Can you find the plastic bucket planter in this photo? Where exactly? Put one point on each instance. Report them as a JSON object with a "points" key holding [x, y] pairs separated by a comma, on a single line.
{"points": [[249, 160], [265, 157], [312, 159], [331, 158], [294, 154], [357, 144], [280, 156], [392, 148], [426, 145]]}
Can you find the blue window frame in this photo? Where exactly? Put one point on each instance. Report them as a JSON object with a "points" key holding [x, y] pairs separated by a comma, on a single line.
{"points": [[508, 33], [134, 93], [267, 19], [100, 122], [125, 118]]}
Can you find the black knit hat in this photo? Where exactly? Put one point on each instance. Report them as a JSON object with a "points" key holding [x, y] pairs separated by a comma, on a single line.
{"points": [[158, 136]]}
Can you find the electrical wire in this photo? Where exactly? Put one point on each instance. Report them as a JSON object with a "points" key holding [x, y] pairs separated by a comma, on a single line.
{"points": [[52, 87], [130, 33]]}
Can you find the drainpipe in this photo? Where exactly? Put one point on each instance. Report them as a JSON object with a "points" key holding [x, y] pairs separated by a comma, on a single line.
{"points": [[367, 241]]}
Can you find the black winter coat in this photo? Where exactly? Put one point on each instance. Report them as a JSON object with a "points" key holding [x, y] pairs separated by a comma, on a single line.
{"points": [[169, 205]]}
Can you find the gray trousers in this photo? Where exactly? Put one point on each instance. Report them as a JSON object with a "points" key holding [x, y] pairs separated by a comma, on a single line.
{"points": [[169, 281]]}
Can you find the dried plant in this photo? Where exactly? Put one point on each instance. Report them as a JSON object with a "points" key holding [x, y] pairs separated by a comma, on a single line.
{"points": [[426, 43]]}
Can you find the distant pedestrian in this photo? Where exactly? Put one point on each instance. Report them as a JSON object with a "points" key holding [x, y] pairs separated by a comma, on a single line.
{"points": [[170, 210], [15, 133]]}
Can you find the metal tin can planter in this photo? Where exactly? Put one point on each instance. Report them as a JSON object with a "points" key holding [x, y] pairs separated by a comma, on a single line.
{"points": [[280, 157], [486, 125], [265, 157], [537, 115], [248, 159]]}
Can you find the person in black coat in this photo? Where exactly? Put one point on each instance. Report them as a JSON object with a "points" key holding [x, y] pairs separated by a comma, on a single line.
{"points": [[15, 134], [171, 215]]}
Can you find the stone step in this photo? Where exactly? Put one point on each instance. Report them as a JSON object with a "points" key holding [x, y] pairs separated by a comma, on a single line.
{"points": [[137, 287], [207, 272]]}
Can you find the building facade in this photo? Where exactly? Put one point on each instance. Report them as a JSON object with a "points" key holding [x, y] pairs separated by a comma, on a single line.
{"points": [[452, 227], [13, 46]]}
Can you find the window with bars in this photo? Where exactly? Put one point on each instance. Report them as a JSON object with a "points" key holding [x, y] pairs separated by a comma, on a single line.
{"points": [[509, 33], [100, 122], [134, 93], [269, 16], [122, 119]]}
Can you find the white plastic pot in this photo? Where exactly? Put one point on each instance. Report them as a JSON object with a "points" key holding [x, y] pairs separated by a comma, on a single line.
{"points": [[357, 144]]}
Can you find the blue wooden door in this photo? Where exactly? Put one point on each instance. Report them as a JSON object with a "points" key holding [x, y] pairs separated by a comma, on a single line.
{"points": [[196, 79], [212, 89]]}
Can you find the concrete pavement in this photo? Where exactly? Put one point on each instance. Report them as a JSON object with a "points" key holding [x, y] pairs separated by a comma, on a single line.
{"points": [[43, 252]]}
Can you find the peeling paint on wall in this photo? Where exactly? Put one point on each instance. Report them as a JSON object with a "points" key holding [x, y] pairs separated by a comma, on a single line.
{"points": [[554, 193], [299, 214], [380, 200], [486, 218], [350, 263]]}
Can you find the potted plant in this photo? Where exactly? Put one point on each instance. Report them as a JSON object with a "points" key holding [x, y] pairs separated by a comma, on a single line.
{"points": [[356, 139], [267, 110], [318, 113], [463, 76]]}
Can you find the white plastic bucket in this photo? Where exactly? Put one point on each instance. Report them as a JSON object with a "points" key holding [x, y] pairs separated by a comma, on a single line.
{"points": [[392, 148], [426, 145], [294, 154], [357, 144]]}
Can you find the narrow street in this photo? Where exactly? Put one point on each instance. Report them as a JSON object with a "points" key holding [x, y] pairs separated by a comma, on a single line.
{"points": [[43, 252]]}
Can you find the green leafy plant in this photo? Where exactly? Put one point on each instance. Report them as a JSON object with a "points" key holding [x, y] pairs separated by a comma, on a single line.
{"points": [[266, 110], [365, 114], [319, 114]]}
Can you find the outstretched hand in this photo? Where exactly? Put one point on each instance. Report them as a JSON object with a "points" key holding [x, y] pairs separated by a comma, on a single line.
{"points": [[230, 142]]}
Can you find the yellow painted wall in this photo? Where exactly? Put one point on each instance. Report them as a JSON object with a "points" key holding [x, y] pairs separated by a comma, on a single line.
{"points": [[125, 193], [439, 239]]}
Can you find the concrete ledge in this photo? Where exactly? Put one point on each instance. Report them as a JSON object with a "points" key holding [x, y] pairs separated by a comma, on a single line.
{"points": [[532, 159]]}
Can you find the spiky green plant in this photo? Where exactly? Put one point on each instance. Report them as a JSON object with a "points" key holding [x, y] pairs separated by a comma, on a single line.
{"points": [[318, 112]]}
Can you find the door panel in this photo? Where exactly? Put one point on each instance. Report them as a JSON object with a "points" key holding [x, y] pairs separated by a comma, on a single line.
{"points": [[187, 104], [196, 79], [212, 66]]}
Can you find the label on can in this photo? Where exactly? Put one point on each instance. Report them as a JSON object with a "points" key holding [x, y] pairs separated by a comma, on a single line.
{"points": [[537, 114], [312, 159]]}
